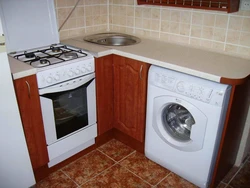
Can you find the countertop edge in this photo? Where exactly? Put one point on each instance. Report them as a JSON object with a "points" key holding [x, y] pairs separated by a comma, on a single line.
{"points": [[20, 69]]}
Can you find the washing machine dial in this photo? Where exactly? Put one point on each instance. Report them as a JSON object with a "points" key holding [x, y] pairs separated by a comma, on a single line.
{"points": [[180, 86]]}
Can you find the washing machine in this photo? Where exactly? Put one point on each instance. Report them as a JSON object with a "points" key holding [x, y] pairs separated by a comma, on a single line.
{"points": [[184, 123]]}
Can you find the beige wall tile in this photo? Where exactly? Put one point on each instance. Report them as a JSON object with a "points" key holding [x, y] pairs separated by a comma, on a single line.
{"points": [[175, 16], [165, 26], [138, 22], [155, 25], [155, 13], [206, 43], [209, 29], [165, 14], [138, 12], [233, 37], [246, 24], [245, 38], [218, 46], [207, 32], [185, 17], [197, 18], [185, 29], [196, 31], [71, 3], [61, 3], [146, 23], [209, 20], [221, 21], [235, 23], [219, 34], [146, 13], [174, 27], [130, 11]]}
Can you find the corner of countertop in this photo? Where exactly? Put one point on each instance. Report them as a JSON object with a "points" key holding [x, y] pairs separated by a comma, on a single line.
{"points": [[19, 69]]}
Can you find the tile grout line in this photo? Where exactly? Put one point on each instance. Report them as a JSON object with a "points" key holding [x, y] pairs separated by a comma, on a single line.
{"points": [[117, 162], [236, 173], [99, 174], [164, 178], [69, 177]]}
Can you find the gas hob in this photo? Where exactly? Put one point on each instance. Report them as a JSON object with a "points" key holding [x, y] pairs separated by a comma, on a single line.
{"points": [[57, 63], [43, 58]]}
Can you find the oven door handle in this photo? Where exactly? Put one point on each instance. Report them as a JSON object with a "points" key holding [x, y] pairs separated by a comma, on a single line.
{"points": [[69, 85]]}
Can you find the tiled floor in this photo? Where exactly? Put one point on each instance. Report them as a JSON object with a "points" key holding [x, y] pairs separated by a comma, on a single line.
{"points": [[116, 165], [238, 177]]}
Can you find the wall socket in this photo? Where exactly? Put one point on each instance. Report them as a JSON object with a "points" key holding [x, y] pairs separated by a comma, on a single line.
{"points": [[245, 5]]}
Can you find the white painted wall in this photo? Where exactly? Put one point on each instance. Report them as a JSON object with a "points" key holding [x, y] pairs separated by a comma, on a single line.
{"points": [[15, 165]]}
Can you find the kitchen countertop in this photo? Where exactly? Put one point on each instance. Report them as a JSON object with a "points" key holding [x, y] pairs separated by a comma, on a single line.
{"points": [[198, 62], [20, 69]]}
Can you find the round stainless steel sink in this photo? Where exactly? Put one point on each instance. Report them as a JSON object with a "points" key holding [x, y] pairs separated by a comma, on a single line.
{"points": [[112, 39]]}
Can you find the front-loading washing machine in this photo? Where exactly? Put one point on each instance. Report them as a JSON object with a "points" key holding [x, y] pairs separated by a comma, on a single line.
{"points": [[185, 118]]}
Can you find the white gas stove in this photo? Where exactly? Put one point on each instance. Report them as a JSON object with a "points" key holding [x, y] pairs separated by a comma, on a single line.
{"points": [[65, 76]]}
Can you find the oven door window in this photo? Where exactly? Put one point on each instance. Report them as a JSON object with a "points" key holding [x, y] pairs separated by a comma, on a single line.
{"points": [[70, 110]]}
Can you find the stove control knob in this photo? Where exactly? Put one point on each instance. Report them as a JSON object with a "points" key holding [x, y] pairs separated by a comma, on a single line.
{"points": [[77, 71], [83, 69], [70, 73], [57, 77], [49, 79], [89, 68]]}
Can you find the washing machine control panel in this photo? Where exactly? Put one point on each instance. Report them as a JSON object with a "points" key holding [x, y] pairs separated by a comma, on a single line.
{"points": [[194, 91], [189, 89]]}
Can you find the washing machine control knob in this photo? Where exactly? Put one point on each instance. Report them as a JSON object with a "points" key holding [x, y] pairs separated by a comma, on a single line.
{"points": [[180, 86]]}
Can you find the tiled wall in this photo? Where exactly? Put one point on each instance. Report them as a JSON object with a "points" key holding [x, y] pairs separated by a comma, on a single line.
{"points": [[215, 30], [89, 16], [210, 29]]}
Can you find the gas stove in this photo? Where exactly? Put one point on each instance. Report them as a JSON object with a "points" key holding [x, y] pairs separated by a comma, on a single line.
{"points": [[43, 58], [57, 63]]}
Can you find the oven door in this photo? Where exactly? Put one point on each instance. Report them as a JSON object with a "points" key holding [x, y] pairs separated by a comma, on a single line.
{"points": [[68, 107]]}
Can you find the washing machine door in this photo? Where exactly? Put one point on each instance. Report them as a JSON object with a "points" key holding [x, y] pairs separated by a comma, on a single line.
{"points": [[179, 123]]}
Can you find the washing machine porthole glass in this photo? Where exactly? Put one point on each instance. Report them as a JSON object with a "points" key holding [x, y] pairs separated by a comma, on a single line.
{"points": [[178, 121]]}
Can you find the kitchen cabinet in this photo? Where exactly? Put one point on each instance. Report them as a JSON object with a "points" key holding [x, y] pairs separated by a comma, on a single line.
{"points": [[29, 106], [130, 87], [219, 5], [104, 93]]}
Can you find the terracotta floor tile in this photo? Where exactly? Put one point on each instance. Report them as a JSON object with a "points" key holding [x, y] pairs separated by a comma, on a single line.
{"points": [[230, 174], [144, 168], [56, 180], [116, 177], [87, 167], [221, 185], [242, 179], [174, 181], [115, 149]]}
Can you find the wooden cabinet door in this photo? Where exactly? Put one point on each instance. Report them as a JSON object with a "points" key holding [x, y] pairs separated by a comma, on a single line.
{"points": [[31, 116], [104, 93], [130, 87]]}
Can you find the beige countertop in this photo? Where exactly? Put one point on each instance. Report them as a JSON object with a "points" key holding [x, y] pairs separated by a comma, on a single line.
{"points": [[198, 62], [20, 69]]}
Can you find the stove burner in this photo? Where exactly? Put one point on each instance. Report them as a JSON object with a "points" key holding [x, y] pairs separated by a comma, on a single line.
{"points": [[71, 55], [44, 61], [29, 55], [55, 49]]}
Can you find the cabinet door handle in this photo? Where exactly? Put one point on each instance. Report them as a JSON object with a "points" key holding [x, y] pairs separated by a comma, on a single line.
{"points": [[28, 85], [141, 72]]}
